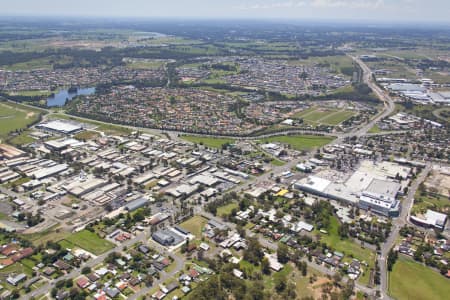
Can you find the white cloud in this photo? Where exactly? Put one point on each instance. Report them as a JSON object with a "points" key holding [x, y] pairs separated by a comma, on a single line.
{"points": [[272, 5], [348, 3], [355, 4]]}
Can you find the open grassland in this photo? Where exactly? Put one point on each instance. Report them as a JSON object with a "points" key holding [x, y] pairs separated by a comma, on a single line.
{"points": [[14, 117], [300, 142], [226, 209], [53, 234], [430, 201], [90, 242], [337, 64], [207, 141], [194, 225], [411, 280]]}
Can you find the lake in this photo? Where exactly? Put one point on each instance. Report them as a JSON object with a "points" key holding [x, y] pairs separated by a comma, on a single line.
{"points": [[59, 99]]}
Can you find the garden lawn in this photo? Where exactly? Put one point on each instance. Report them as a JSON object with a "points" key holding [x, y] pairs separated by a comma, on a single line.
{"points": [[90, 242], [411, 280]]}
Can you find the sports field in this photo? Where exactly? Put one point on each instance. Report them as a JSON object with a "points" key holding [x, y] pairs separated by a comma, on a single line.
{"points": [[411, 280], [324, 116], [207, 141], [300, 142]]}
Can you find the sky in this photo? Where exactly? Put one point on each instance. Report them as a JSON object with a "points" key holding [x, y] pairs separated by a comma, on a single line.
{"points": [[420, 11]]}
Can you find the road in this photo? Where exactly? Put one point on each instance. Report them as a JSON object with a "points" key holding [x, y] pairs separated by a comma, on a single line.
{"points": [[389, 105]]}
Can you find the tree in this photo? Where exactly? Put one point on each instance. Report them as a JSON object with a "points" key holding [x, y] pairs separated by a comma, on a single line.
{"points": [[280, 283], [59, 284], [304, 268], [148, 280], [256, 291], [283, 253], [86, 270], [254, 252], [265, 266], [391, 259], [69, 283]]}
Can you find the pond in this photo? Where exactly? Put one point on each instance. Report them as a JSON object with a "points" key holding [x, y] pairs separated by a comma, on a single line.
{"points": [[59, 99]]}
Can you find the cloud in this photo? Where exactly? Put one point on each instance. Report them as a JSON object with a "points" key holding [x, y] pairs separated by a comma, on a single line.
{"points": [[352, 4], [271, 5], [348, 3]]}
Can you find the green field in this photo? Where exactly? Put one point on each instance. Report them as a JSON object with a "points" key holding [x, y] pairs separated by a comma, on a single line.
{"points": [[52, 234], [207, 141], [277, 162], [22, 139], [90, 242], [14, 116], [194, 225], [324, 116], [338, 117], [375, 129], [32, 93], [411, 280], [226, 209], [300, 142], [146, 65], [335, 63], [429, 201], [86, 135]]}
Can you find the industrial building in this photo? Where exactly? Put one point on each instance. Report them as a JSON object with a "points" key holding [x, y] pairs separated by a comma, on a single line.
{"points": [[371, 187], [60, 126], [430, 219], [47, 172], [136, 204], [10, 152], [167, 237]]}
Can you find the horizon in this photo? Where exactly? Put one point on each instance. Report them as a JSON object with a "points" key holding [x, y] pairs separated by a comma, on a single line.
{"points": [[359, 11], [274, 20]]}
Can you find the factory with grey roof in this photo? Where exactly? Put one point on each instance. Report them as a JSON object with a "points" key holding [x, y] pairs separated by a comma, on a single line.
{"points": [[60, 126], [371, 187]]}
